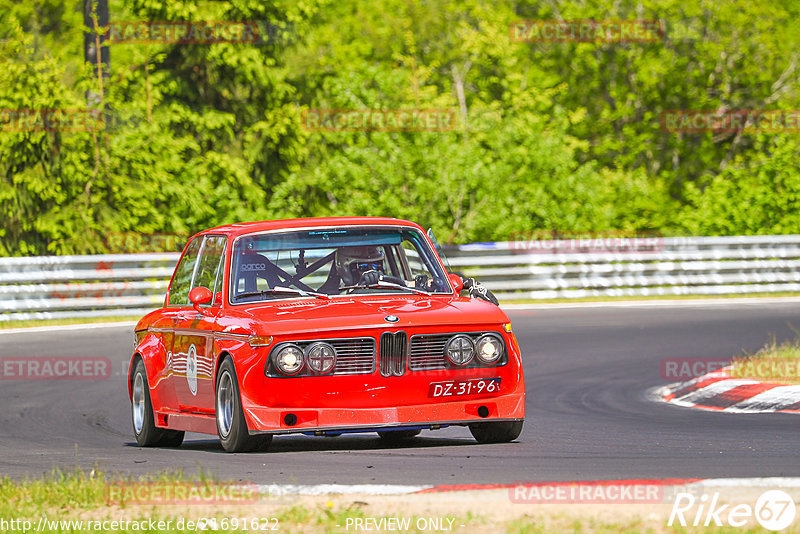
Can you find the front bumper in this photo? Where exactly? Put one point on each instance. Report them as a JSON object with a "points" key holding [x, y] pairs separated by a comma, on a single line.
{"points": [[508, 407]]}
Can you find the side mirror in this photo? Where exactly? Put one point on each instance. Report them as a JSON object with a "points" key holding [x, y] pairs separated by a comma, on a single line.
{"points": [[456, 282], [200, 295]]}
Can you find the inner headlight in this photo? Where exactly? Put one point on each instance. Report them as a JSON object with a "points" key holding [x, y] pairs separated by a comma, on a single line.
{"points": [[489, 348], [289, 360], [320, 357], [459, 350]]}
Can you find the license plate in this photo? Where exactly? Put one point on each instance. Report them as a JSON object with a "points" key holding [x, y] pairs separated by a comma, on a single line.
{"points": [[462, 388]]}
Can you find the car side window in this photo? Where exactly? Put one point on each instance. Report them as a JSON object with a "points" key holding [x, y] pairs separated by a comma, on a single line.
{"points": [[209, 268], [182, 281]]}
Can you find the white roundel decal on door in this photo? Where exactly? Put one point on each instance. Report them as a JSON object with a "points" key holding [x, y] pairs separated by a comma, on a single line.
{"points": [[191, 369]]}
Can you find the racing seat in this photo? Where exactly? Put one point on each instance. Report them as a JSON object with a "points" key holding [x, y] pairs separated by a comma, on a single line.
{"points": [[331, 284], [253, 266]]}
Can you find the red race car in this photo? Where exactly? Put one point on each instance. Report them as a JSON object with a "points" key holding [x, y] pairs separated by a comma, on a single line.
{"points": [[322, 326]]}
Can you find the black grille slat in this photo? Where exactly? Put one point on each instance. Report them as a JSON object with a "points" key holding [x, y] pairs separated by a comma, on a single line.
{"points": [[426, 352], [393, 350], [354, 356]]}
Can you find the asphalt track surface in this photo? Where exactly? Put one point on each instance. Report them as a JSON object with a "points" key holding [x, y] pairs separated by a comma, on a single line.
{"points": [[589, 417]]}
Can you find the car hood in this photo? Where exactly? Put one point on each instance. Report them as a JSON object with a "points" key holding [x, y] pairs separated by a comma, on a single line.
{"points": [[309, 315]]}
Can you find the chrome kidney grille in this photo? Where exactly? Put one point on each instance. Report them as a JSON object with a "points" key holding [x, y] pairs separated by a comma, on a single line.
{"points": [[392, 358]]}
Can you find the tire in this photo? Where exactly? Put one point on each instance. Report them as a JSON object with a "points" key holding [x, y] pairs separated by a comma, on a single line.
{"points": [[144, 428], [172, 438], [501, 432], [231, 425], [398, 436]]}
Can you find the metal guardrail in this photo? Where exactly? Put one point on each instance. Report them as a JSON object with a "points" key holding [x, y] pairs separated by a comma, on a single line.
{"points": [[55, 287], [52, 287], [614, 267]]}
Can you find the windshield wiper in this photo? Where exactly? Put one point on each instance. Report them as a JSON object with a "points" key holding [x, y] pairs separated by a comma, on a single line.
{"points": [[387, 285], [280, 289]]}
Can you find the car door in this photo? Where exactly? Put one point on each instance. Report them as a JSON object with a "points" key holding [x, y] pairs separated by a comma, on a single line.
{"points": [[193, 357], [177, 307]]}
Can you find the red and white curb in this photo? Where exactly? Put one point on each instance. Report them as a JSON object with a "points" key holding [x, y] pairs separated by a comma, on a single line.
{"points": [[718, 391], [685, 484]]}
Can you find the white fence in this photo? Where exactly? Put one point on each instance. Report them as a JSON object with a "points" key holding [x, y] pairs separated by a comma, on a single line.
{"points": [[133, 284]]}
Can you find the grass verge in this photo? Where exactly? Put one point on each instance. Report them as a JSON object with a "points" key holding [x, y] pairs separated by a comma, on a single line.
{"points": [[774, 362], [79, 502]]}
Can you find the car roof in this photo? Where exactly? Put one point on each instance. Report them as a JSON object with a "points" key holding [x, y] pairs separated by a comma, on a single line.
{"points": [[238, 229]]}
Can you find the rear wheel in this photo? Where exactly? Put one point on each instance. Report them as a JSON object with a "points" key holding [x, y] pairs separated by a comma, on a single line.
{"points": [[144, 428], [501, 432], [397, 436], [231, 426]]}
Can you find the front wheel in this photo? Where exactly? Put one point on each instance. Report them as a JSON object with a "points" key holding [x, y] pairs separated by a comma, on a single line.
{"points": [[231, 426], [501, 432], [144, 428]]}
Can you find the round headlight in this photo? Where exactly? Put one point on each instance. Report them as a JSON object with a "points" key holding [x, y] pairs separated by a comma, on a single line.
{"points": [[459, 350], [489, 349], [289, 359], [320, 357]]}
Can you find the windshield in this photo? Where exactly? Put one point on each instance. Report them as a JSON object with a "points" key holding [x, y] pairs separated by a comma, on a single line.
{"points": [[334, 261]]}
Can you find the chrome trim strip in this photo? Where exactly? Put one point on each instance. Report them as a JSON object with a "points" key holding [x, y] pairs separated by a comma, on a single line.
{"points": [[234, 337]]}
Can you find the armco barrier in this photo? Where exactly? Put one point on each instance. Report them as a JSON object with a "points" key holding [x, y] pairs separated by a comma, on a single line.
{"points": [[53, 287], [133, 284], [633, 267]]}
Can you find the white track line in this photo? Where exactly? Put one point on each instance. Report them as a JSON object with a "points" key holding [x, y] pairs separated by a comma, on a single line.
{"points": [[761, 301], [276, 490], [62, 327], [760, 482]]}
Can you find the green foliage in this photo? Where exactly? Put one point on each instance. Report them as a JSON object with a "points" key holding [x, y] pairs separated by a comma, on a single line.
{"points": [[547, 136], [757, 193]]}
